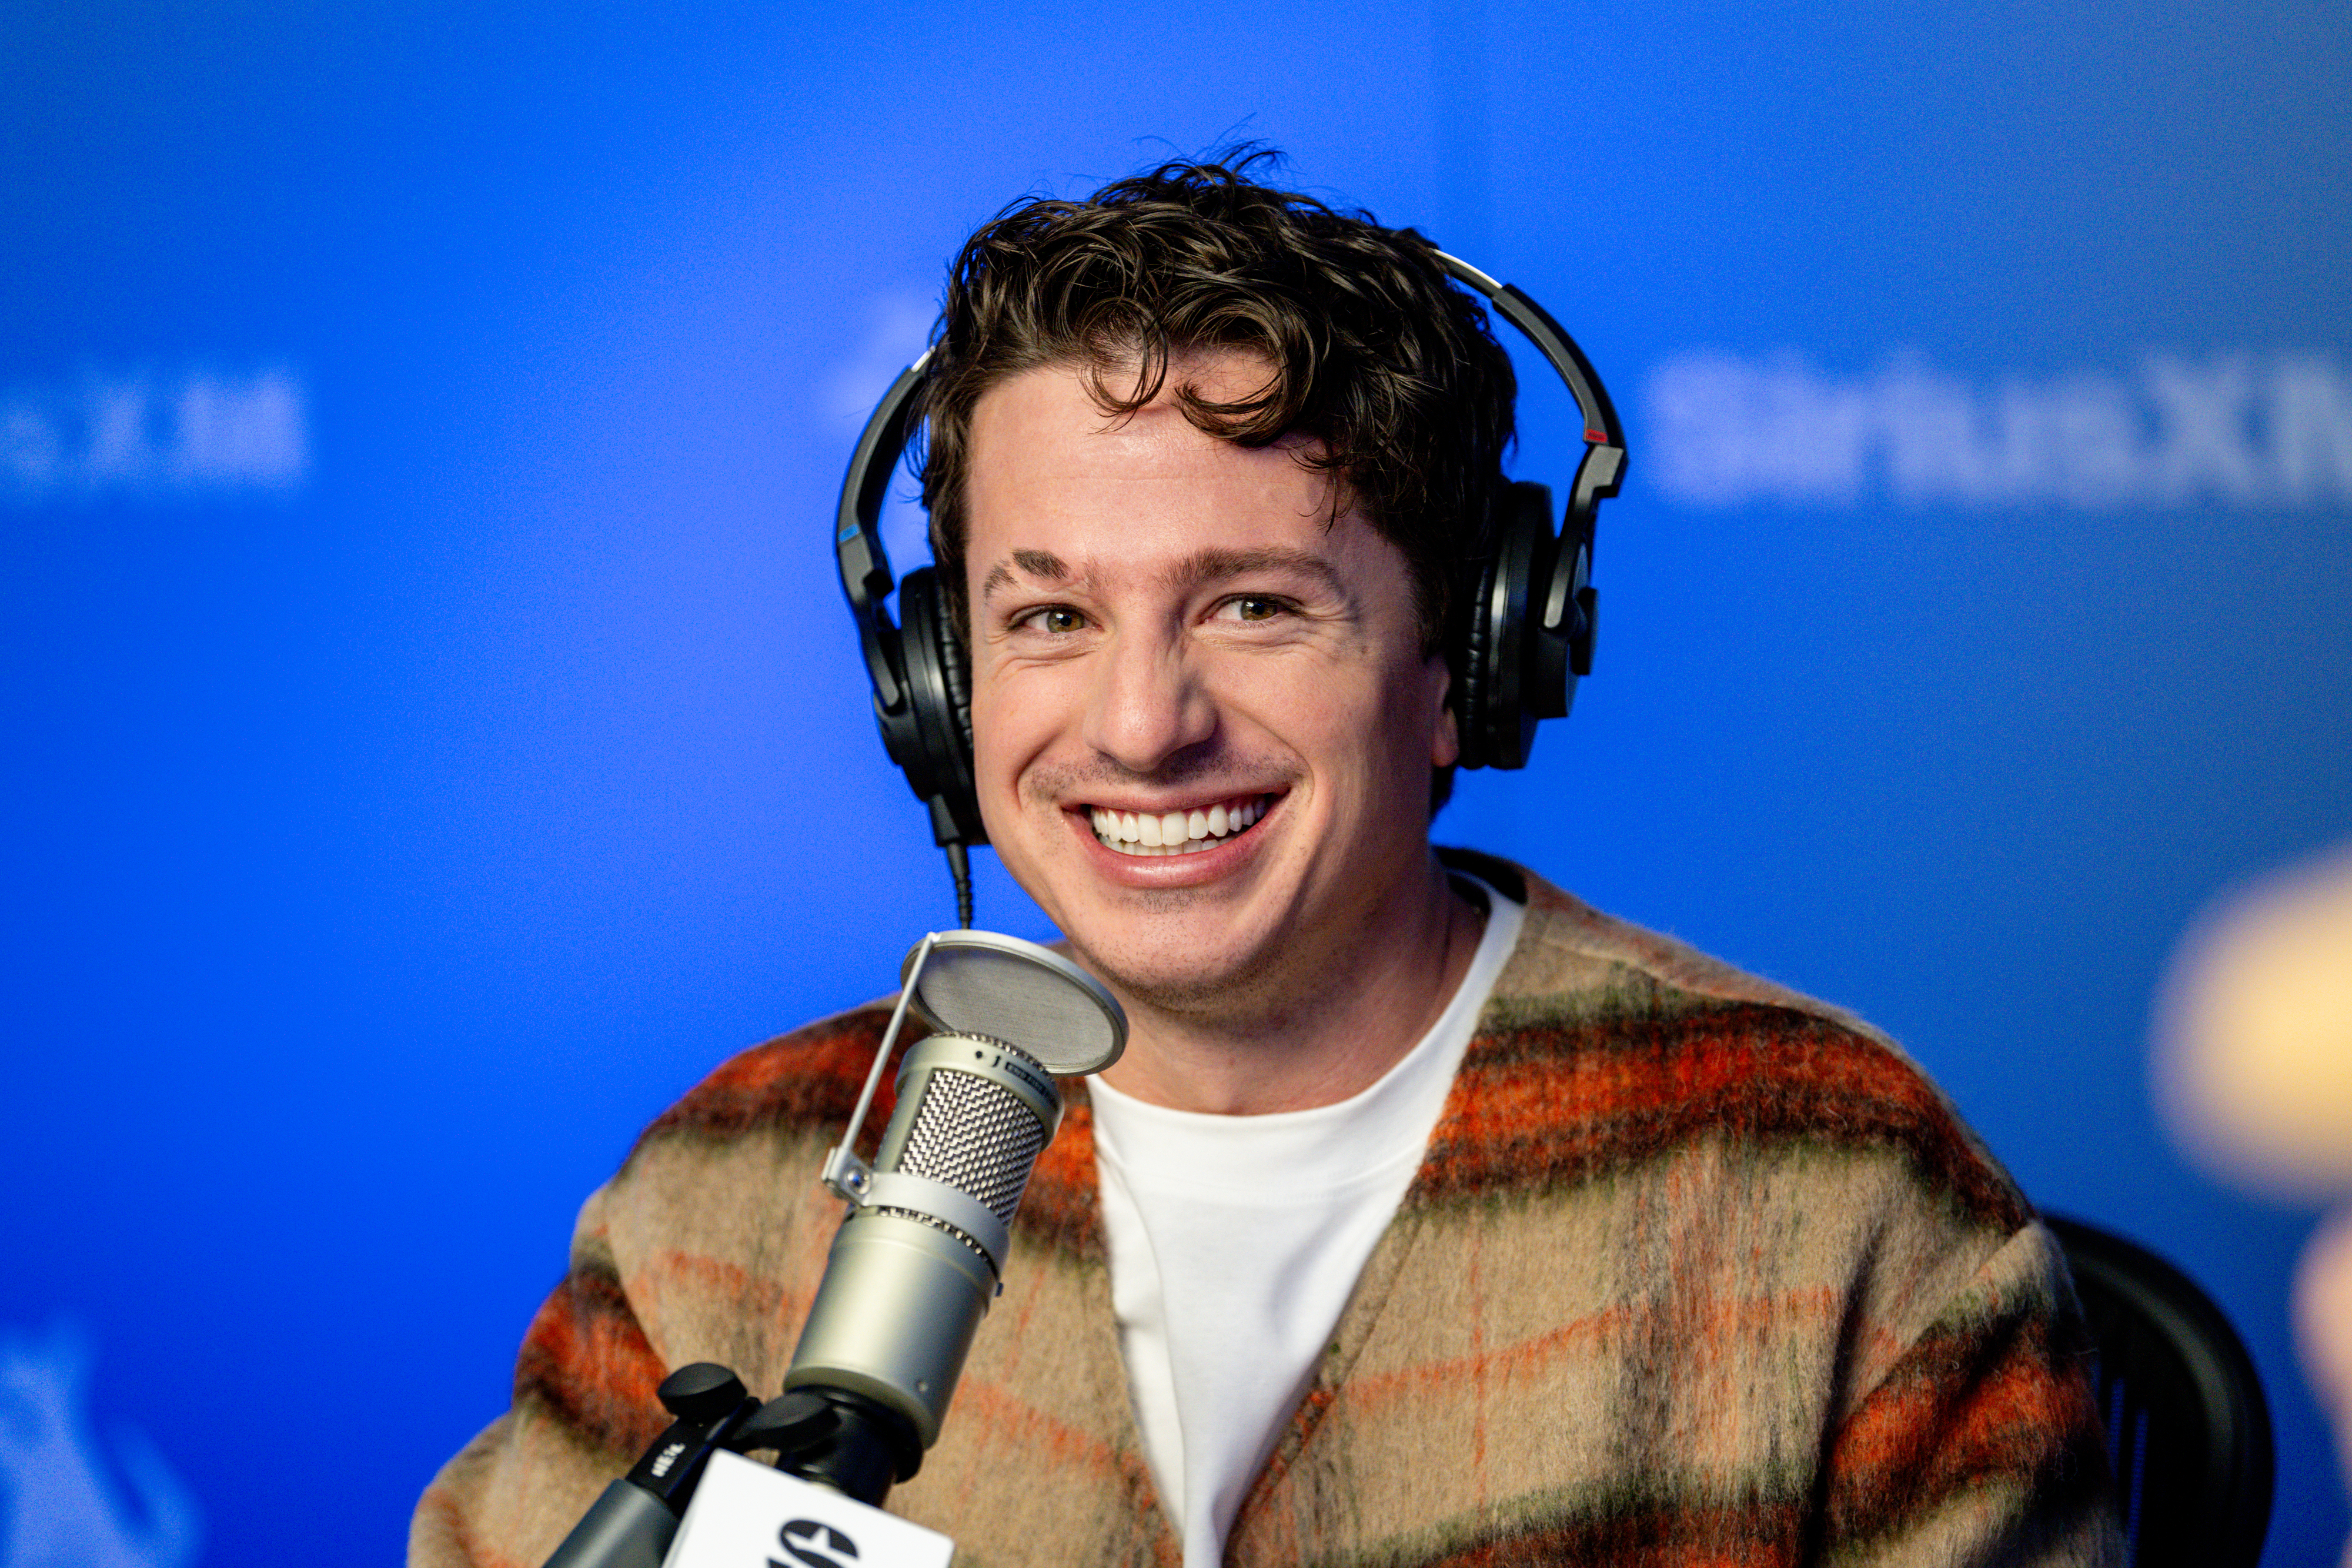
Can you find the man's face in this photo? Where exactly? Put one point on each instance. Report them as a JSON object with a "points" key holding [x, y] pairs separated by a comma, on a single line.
{"points": [[1203, 723]]}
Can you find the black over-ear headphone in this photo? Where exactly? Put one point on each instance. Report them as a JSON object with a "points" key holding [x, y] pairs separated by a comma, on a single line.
{"points": [[1526, 619]]}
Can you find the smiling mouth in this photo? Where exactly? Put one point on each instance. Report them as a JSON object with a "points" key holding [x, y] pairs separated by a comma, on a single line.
{"points": [[1178, 832]]}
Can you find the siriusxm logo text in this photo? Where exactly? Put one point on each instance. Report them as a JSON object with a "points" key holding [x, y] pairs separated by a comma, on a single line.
{"points": [[2233, 429]]}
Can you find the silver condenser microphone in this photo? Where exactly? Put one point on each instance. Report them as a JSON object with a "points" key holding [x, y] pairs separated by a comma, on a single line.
{"points": [[917, 1260]]}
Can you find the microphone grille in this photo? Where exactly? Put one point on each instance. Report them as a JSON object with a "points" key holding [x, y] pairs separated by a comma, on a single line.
{"points": [[976, 1137]]}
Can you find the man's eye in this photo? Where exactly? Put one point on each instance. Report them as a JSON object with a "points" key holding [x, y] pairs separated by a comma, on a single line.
{"points": [[1057, 620], [1253, 607]]}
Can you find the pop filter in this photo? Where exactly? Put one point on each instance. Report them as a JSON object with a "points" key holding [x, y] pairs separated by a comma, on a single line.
{"points": [[1002, 987]]}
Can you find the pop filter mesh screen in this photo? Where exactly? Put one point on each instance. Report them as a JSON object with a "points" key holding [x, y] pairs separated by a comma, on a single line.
{"points": [[1006, 995]]}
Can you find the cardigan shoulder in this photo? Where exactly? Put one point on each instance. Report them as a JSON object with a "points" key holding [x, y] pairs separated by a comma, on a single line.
{"points": [[1605, 1045]]}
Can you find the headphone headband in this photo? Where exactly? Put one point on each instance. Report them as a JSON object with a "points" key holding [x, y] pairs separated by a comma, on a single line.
{"points": [[857, 533], [1603, 465]]}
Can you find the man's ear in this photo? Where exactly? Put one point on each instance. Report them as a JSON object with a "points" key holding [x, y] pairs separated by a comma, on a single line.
{"points": [[1445, 729]]}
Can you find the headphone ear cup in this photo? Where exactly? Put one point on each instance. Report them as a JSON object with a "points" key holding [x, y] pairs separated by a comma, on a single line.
{"points": [[1497, 712], [955, 674], [939, 697]]}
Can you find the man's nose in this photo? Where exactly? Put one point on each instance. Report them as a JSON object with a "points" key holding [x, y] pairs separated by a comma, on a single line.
{"points": [[1148, 704]]}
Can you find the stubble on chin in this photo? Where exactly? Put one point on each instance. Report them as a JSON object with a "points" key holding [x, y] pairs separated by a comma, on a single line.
{"points": [[1237, 993], [1257, 989]]}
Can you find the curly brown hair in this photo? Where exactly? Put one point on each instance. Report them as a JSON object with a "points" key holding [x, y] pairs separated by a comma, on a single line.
{"points": [[1374, 352]]}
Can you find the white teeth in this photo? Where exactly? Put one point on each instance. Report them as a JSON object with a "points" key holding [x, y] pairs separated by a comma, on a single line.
{"points": [[1176, 833]]}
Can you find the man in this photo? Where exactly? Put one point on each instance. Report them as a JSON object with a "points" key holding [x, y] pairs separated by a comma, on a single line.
{"points": [[1431, 1216]]}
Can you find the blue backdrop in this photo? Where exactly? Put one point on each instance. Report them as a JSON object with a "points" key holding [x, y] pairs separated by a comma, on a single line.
{"points": [[432, 739]]}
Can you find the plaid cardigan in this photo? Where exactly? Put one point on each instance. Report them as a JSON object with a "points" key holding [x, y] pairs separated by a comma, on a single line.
{"points": [[1696, 1273]]}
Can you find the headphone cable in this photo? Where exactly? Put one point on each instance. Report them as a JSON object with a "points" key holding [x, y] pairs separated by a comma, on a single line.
{"points": [[959, 867]]}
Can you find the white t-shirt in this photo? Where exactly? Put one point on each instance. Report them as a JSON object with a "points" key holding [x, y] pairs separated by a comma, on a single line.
{"points": [[1236, 1240]]}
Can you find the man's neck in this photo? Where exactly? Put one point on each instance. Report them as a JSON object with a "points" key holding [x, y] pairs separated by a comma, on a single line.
{"points": [[1328, 1038]]}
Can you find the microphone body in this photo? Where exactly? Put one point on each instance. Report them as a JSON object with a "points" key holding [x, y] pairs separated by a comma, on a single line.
{"points": [[915, 1264]]}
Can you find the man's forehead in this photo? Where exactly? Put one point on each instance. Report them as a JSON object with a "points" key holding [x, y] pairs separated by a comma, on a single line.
{"points": [[1060, 494]]}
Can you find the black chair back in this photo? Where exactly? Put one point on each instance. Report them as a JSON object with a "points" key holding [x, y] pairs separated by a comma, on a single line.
{"points": [[2189, 1433]]}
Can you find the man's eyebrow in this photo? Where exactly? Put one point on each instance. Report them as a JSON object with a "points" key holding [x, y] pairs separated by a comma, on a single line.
{"points": [[1036, 562], [1210, 565]]}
